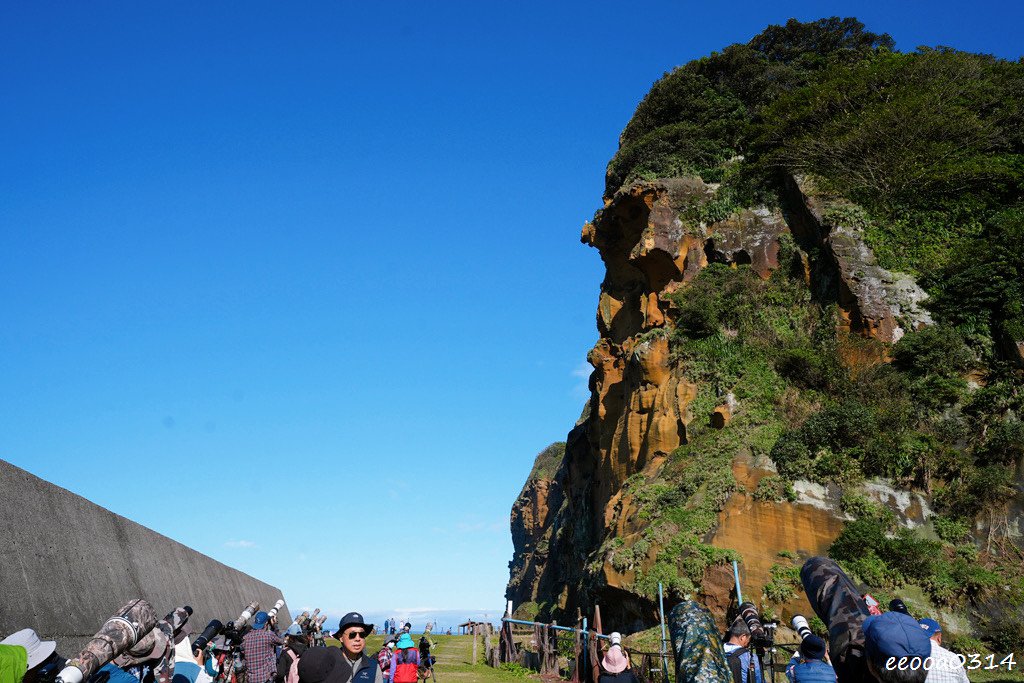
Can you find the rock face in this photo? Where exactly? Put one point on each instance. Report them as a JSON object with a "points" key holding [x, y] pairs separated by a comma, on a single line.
{"points": [[652, 242], [639, 407], [876, 302]]}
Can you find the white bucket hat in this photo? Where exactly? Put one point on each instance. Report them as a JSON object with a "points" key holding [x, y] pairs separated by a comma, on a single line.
{"points": [[38, 650]]}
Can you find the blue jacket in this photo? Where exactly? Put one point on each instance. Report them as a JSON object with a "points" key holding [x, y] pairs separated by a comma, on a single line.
{"points": [[800, 670]]}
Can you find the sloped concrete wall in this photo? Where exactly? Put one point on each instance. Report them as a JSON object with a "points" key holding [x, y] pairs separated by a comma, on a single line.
{"points": [[67, 564]]}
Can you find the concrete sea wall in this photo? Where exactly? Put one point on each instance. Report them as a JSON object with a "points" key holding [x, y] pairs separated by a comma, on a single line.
{"points": [[67, 564]]}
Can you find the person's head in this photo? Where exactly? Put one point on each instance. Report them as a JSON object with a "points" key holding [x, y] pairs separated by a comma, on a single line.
{"points": [[932, 628], [260, 621], [897, 605], [405, 642], [352, 632], [812, 647], [407, 627], [295, 634], [615, 660], [319, 665], [896, 648], [43, 661], [738, 633]]}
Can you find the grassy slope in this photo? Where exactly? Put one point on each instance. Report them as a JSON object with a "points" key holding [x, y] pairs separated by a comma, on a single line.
{"points": [[454, 660]]}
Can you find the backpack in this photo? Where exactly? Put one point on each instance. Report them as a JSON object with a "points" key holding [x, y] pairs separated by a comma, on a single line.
{"points": [[406, 671], [293, 670], [736, 666]]}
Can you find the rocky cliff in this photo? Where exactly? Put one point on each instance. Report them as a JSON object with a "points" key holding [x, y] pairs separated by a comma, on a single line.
{"points": [[779, 371]]}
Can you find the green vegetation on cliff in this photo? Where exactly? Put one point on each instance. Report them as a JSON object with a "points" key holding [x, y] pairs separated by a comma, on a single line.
{"points": [[926, 150], [547, 462], [929, 143], [842, 298]]}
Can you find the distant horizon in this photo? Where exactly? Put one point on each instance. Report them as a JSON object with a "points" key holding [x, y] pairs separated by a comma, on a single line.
{"points": [[442, 619]]}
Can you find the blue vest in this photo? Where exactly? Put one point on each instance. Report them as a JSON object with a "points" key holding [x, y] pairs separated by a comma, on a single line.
{"points": [[814, 671], [367, 672]]}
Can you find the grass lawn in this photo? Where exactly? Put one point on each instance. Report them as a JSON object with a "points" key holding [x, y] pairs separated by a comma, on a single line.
{"points": [[454, 660]]}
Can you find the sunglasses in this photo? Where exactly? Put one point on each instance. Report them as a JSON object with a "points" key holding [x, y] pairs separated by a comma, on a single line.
{"points": [[354, 635]]}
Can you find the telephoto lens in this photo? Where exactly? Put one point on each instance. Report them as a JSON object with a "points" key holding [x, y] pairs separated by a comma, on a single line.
{"points": [[211, 631], [272, 612], [800, 626], [246, 614], [120, 632], [748, 611]]}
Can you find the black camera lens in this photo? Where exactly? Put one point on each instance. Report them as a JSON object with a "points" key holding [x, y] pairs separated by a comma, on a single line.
{"points": [[208, 634]]}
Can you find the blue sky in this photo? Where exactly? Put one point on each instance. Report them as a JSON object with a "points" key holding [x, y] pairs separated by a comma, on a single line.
{"points": [[300, 285]]}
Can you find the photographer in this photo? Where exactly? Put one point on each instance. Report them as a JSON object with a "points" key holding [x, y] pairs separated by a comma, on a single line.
{"points": [[258, 649], [189, 667], [615, 664], [945, 667], [384, 659], [743, 664], [42, 661], [354, 666], [288, 660], [809, 664], [863, 646], [406, 662]]}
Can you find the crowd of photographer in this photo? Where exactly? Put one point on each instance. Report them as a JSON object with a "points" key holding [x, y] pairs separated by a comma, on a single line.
{"points": [[133, 646], [864, 644]]}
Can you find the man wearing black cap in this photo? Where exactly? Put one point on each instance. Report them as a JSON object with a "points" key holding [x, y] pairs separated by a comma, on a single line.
{"points": [[355, 666], [808, 665]]}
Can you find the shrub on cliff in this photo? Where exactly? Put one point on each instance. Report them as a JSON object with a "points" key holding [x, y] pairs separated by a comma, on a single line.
{"points": [[928, 142], [981, 291], [698, 116]]}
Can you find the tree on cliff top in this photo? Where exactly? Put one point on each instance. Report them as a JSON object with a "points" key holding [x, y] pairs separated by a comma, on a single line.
{"points": [[698, 116], [929, 143]]}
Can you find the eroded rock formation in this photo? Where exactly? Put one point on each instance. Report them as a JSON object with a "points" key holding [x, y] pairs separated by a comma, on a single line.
{"points": [[642, 403]]}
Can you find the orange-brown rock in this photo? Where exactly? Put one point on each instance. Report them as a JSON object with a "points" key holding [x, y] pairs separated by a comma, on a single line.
{"points": [[640, 398], [720, 417], [749, 237], [758, 531], [575, 527]]}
